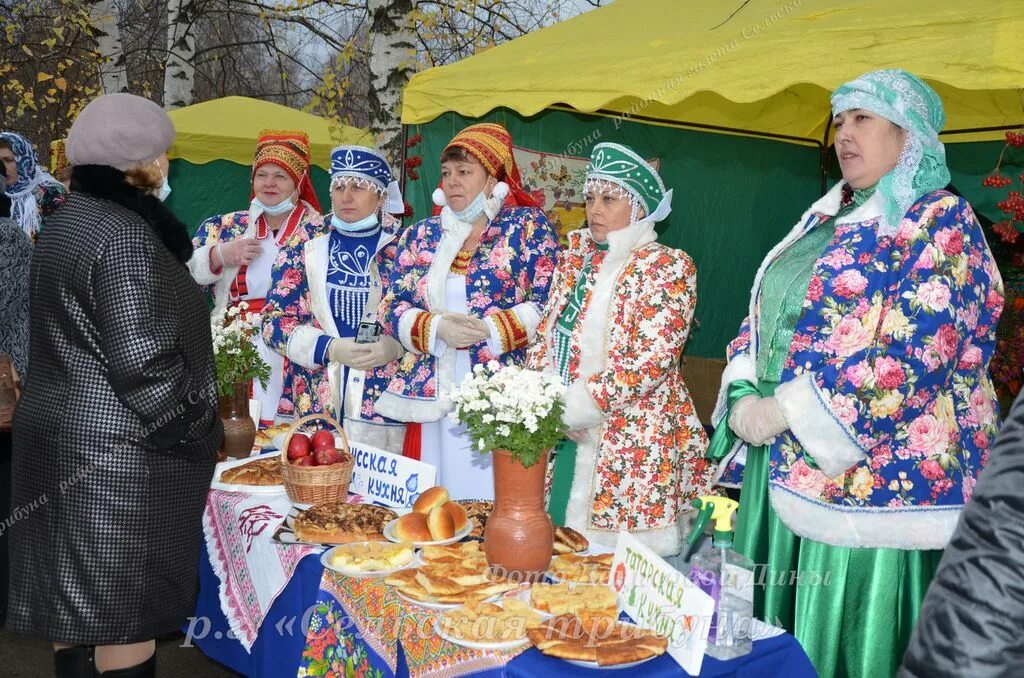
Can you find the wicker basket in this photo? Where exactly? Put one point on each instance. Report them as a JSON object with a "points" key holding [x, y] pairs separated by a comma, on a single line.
{"points": [[317, 484]]}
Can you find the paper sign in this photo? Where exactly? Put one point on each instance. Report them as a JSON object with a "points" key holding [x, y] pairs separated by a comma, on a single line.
{"points": [[391, 479], [660, 598]]}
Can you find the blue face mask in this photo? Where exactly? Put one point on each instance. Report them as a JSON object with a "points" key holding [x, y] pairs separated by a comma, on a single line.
{"points": [[283, 207], [165, 190], [365, 224], [473, 210]]}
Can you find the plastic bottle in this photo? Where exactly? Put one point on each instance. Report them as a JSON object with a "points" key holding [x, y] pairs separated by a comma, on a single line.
{"points": [[727, 576]]}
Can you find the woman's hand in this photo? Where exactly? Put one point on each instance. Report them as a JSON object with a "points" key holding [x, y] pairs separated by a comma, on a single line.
{"points": [[757, 420], [460, 331], [238, 252]]}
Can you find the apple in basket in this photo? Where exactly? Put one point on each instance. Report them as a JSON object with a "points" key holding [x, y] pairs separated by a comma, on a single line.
{"points": [[307, 460], [327, 456], [298, 446], [323, 439]]}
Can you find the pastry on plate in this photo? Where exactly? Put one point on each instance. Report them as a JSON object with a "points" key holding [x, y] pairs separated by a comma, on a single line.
{"points": [[261, 472], [338, 522]]}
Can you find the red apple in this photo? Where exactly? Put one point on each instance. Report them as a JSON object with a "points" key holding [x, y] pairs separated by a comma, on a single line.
{"points": [[327, 456], [307, 460], [323, 439], [299, 446]]}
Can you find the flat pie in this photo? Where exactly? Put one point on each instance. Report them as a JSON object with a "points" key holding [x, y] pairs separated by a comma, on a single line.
{"points": [[600, 640], [451, 574], [578, 599], [489, 622], [340, 523], [583, 569], [260, 472], [568, 540]]}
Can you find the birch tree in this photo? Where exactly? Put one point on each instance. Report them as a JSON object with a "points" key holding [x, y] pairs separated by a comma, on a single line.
{"points": [[112, 70], [180, 70]]}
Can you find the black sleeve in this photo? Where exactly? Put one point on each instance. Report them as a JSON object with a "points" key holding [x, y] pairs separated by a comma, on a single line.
{"points": [[971, 620]]}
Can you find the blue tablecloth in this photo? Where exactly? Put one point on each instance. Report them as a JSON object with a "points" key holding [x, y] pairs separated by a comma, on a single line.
{"points": [[274, 654]]}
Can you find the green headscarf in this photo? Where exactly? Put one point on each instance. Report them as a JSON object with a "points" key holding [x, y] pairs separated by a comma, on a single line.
{"points": [[905, 100]]}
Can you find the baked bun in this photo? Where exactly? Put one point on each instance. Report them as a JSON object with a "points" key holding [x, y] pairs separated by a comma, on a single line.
{"points": [[440, 524], [435, 496], [412, 527], [458, 513]]}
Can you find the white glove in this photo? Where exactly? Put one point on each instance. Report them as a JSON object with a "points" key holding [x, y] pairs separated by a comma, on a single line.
{"points": [[380, 352], [459, 331], [239, 252], [757, 420], [342, 351]]}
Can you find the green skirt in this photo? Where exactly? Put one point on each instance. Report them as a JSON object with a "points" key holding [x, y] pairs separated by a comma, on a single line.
{"points": [[564, 468], [852, 609]]}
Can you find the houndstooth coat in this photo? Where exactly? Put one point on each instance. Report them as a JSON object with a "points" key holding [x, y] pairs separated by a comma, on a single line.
{"points": [[116, 436]]}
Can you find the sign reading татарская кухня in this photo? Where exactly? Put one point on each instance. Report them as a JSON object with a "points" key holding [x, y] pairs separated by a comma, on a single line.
{"points": [[663, 600], [391, 479]]}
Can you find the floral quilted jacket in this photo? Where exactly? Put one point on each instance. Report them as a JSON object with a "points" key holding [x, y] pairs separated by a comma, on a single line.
{"points": [[507, 283], [225, 228], [295, 317], [641, 461], [886, 385]]}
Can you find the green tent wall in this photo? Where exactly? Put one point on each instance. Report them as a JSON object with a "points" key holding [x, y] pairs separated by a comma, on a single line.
{"points": [[735, 196]]}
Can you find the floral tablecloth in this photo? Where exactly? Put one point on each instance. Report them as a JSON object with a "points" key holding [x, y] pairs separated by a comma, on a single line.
{"points": [[359, 626]]}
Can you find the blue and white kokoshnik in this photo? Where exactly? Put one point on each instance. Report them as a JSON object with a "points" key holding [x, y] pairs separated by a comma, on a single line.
{"points": [[368, 166]]}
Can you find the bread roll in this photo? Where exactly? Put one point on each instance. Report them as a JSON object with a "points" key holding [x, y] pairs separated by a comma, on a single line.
{"points": [[412, 527], [440, 524], [458, 513], [435, 496]]}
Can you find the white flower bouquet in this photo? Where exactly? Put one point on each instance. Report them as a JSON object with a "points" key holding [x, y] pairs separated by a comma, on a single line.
{"points": [[234, 352], [510, 408]]}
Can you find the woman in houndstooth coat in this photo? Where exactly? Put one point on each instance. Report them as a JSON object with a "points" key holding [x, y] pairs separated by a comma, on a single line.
{"points": [[116, 435]]}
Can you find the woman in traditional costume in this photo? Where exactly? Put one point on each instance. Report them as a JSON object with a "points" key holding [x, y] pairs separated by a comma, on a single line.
{"points": [[34, 194], [234, 252], [116, 435], [326, 288], [859, 385], [468, 288], [614, 328]]}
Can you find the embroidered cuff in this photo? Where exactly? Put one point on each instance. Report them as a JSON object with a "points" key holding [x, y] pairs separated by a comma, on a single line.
{"points": [[422, 332], [510, 330], [411, 328], [320, 355]]}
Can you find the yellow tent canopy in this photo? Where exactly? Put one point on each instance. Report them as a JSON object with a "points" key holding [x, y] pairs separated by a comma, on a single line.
{"points": [[763, 66], [227, 129]]}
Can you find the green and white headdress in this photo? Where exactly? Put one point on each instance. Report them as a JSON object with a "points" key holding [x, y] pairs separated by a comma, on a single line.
{"points": [[620, 165]]}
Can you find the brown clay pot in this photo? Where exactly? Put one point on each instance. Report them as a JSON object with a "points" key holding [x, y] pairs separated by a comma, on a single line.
{"points": [[239, 428], [518, 537]]}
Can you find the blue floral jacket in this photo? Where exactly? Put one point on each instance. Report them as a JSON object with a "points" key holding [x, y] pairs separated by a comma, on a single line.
{"points": [[507, 283], [886, 385]]}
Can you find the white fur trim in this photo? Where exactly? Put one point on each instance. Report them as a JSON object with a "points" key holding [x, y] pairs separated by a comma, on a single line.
{"points": [[833, 446], [199, 266], [494, 342], [302, 346], [740, 367], [593, 356], [829, 204], [316, 251], [405, 324], [908, 528], [580, 409]]}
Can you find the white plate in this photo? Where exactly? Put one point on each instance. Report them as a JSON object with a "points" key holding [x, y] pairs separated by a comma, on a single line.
{"points": [[474, 645], [524, 595], [595, 665], [327, 555], [389, 533], [249, 489], [440, 607]]}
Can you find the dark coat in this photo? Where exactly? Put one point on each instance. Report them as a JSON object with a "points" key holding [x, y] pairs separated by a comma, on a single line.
{"points": [[971, 620], [15, 258], [116, 435]]}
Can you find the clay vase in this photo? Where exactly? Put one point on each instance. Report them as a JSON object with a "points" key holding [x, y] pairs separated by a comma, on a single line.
{"points": [[239, 428], [518, 537]]}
